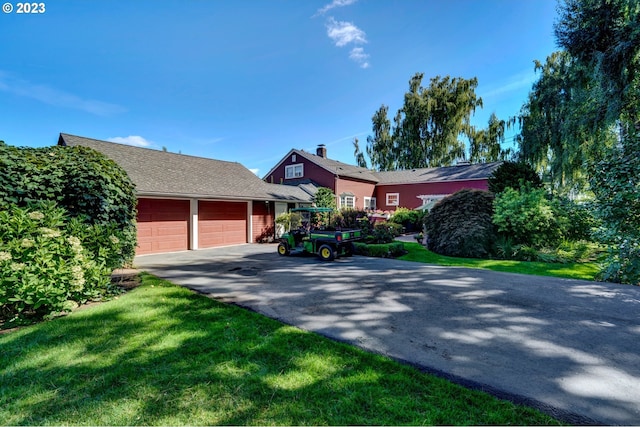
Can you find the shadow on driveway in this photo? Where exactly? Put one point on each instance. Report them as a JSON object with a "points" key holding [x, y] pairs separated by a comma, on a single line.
{"points": [[568, 347]]}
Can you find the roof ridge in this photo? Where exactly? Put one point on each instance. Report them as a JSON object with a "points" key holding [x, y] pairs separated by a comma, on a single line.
{"points": [[147, 148]]}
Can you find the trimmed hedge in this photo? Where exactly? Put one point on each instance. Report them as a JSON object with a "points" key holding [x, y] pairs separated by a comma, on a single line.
{"points": [[380, 250]]}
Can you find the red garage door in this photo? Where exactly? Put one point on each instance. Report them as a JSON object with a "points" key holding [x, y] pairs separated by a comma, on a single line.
{"points": [[221, 223], [163, 226]]}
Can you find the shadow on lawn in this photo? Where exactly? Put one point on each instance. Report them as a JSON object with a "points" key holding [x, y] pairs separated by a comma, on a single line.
{"points": [[163, 355], [571, 345]]}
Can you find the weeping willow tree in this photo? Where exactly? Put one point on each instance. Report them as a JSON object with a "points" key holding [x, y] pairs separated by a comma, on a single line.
{"points": [[428, 130]]}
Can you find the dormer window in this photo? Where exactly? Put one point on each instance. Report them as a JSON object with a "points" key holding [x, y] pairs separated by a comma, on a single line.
{"points": [[293, 157], [294, 171]]}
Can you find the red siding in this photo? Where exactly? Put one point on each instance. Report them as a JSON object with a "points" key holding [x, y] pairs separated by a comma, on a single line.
{"points": [[409, 192], [221, 223], [262, 221], [163, 226], [359, 188], [310, 171]]}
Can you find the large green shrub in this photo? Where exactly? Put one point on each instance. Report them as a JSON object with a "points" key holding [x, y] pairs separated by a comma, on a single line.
{"points": [[44, 269], [577, 221], [88, 185], [460, 225], [383, 232], [410, 219], [527, 216], [513, 175], [348, 218]]}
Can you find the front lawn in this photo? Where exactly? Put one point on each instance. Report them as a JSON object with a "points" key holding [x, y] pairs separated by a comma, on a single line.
{"points": [[163, 355], [585, 271]]}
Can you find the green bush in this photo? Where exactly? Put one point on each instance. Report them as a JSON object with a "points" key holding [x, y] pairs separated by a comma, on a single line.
{"points": [[382, 250], [88, 185], [622, 264], [410, 219], [44, 269], [527, 217], [384, 232], [289, 220], [460, 225], [348, 218], [577, 221], [513, 175]]}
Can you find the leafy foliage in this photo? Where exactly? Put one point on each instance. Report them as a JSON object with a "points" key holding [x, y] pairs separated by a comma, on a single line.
{"points": [[513, 175], [527, 216], [555, 138], [289, 220], [382, 232], [44, 268], [380, 250], [604, 39], [426, 129], [486, 144], [577, 221], [325, 198], [461, 225], [348, 218], [80, 180], [616, 184], [410, 219], [604, 36]]}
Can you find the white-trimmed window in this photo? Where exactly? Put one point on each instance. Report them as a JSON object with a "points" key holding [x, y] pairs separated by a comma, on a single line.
{"points": [[294, 171], [347, 201], [370, 203], [393, 199]]}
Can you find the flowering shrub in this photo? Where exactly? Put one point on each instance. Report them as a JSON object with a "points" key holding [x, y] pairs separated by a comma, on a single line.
{"points": [[88, 185], [43, 268]]}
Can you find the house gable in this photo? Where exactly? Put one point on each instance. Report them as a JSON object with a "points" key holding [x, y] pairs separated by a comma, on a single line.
{"points": [[361, 188], [296, 168]]}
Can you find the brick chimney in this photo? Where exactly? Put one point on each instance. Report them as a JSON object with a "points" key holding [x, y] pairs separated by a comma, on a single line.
{"points": [[321, 151]]}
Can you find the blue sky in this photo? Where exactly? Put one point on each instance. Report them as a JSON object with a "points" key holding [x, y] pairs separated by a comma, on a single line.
{"points": [[248, 80]]}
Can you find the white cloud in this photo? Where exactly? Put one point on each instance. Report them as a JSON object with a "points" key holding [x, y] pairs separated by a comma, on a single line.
{"points": [[334, 4], [135, 140], [342, 33], [357, 54], [255, 171], [56, 97]]}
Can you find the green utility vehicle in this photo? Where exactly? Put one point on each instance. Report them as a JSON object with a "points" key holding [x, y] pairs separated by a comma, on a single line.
{"points": [[312, 238]]}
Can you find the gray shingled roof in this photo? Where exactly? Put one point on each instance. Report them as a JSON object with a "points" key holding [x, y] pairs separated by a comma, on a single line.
{"points": [[461, 172], [163, 174], [411, 176]]}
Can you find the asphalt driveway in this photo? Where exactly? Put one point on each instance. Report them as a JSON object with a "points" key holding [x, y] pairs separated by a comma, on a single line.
{"points": [[568, 347]]}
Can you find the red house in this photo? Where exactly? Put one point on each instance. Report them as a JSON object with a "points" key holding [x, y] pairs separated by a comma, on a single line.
{"points": [[354, 187], [361, 188]]}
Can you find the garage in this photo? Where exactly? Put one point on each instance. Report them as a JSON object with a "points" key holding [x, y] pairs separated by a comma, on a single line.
{"points": [[221, 223], [163, 226]]}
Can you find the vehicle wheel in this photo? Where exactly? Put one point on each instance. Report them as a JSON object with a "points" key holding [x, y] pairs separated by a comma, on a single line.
{"points": [[283, 249], [350, 249], [326, 253]]}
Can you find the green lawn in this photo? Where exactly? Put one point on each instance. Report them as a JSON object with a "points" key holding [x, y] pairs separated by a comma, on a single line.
{"points": [[161, 354], [586, 271]]}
